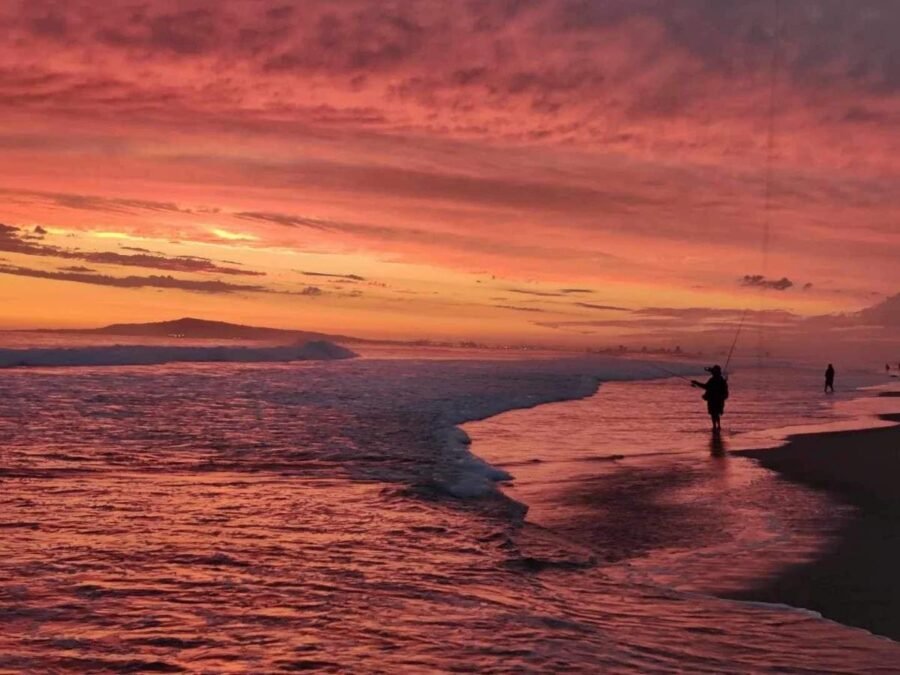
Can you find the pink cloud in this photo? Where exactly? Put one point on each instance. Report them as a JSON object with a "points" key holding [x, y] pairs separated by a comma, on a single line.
{"points": [[685, 78], [613, 142]]}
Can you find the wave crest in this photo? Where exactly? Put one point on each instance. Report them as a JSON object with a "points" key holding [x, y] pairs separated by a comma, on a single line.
{"points": [[146, 355]]}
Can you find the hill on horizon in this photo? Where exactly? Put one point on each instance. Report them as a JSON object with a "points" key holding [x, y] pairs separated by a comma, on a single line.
{"points": [[190, 327]]}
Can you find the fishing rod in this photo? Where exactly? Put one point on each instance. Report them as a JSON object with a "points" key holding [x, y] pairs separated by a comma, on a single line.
{"points": [[734, 342], [669, 372]]}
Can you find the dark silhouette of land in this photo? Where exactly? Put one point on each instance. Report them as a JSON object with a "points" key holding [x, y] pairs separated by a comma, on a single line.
{"points": [[203, 329], [856, 581], [215, 330]]}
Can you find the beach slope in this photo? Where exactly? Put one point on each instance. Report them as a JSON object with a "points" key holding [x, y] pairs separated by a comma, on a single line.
{"points": [[857, 581]]}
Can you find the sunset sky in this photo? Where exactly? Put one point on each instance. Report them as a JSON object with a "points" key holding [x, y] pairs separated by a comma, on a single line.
{"points": [[556, 171]]}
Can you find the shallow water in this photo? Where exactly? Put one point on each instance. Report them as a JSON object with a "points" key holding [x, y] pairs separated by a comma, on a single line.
{"points": [[634, 472], [265, 518]]}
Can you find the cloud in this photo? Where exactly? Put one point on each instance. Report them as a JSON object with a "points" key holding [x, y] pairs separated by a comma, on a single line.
{"points": [[504, 191], [346, 277], [390, 236], [594, 323], [870, 333], [575, 290], [886, 313], [698, 314], [364, 39], [152, 281], [512, 135], [521, 309], [158, 261], [98, 203], [15, 240], [311, 291], [759, 281], [664, 320], [590, 305], [295, 221], [661, 320], [189, 32], [50, 24], [590, 77], [533, 70], [543, 294]]}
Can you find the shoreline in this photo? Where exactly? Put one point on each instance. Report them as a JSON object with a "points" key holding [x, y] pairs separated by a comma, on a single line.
{"points": [[855, 581]]}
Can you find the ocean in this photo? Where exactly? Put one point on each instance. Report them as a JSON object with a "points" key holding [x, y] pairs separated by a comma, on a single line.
{"points": [[394, 513]]}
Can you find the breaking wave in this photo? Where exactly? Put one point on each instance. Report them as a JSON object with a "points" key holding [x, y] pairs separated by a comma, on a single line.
{"points": [[146, 355]]}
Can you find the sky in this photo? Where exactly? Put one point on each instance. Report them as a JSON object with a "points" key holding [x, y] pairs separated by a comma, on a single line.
{"points": [[572, 172]]}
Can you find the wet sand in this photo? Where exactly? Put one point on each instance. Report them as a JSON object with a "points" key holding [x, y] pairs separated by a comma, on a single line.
{"points": [[857, 581]]}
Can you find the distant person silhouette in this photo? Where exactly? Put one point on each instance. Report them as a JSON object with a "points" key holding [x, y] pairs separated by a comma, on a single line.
{"points": [[829, 379], [715, 395]]}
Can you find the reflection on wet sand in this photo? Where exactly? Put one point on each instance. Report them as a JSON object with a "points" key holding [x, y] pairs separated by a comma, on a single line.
{"points": [[669, 504], [717, 445]]}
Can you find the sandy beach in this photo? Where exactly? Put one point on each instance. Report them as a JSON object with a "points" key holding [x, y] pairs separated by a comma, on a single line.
{"points": [[855, 582]]}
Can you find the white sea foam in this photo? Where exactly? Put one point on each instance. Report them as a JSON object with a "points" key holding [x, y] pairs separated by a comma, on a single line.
{"points": [[145, 355], [466, 476], [473, 477]]}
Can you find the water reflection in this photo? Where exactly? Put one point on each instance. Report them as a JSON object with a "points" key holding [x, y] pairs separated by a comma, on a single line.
{"points": [[268, 519], [717, 445], [632, 474]]}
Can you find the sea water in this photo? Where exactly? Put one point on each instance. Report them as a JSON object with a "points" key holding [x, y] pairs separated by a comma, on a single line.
{"points": [[635, 473], [271, 517]]}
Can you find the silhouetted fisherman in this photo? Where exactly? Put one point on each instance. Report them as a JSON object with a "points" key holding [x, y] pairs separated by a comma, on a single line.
{"points": [[715, 394], [829, 379]]}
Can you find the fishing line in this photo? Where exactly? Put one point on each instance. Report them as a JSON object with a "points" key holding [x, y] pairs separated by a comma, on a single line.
{"points": [[669, 372], [770, 167], [767, 194]]}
